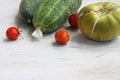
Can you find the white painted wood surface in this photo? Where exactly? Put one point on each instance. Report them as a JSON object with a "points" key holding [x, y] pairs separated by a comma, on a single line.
{"points": [[80, 59]]}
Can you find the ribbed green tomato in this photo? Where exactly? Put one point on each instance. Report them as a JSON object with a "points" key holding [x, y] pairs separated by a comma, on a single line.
{"points": [[100, 21]]}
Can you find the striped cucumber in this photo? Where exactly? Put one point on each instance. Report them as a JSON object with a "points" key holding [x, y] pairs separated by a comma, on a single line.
{"points": [[51, 14], [27, 9]]}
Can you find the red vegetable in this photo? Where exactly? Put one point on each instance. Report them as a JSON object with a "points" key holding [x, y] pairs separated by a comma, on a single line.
{"points": [[73, 21], [62, 36], [12, 33]]}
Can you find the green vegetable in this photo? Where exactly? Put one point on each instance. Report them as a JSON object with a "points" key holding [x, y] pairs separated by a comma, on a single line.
{"points": [[27, 9], [100, 21], [53, 13]]}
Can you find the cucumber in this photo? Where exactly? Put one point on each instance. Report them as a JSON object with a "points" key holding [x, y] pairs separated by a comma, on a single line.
{"points": [[51, 14], [27, 9]]}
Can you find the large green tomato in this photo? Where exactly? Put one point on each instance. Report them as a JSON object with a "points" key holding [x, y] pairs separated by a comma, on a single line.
{"points": [[100, 21]]}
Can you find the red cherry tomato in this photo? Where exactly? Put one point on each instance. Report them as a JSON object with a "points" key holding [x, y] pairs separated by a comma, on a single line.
{"points": [[73, 21], [62, 36], [12, 33]]}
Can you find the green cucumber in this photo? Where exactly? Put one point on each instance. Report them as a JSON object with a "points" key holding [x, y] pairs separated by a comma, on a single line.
{"points": [[52, 13], [27, 9]]}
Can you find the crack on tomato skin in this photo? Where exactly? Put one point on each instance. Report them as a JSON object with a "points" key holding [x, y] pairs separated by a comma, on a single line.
{"points": [[104, 9], [113, 9], [108, 9], [86, 11], [94, 26]]}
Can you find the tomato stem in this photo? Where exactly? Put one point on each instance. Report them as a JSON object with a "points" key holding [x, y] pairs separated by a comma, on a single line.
{"points": [[20, 32]]}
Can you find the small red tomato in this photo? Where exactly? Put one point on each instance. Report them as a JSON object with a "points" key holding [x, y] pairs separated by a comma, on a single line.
{"points": [[12, 33], [62, 36], [73, 21]]}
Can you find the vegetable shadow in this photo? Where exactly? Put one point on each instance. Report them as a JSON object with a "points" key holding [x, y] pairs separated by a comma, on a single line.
{"points": [[58, 45], [81, 39], [27, 28], [9, 41]]}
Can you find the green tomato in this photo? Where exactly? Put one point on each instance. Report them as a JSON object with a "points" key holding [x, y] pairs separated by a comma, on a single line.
{"points": [[100, 21]]}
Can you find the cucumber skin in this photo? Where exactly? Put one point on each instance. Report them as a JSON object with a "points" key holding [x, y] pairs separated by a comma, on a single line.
{"points": [[27, 9], [51, 14]]}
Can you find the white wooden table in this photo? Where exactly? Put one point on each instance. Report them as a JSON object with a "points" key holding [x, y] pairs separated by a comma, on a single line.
{"points": [[80, 59]]}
